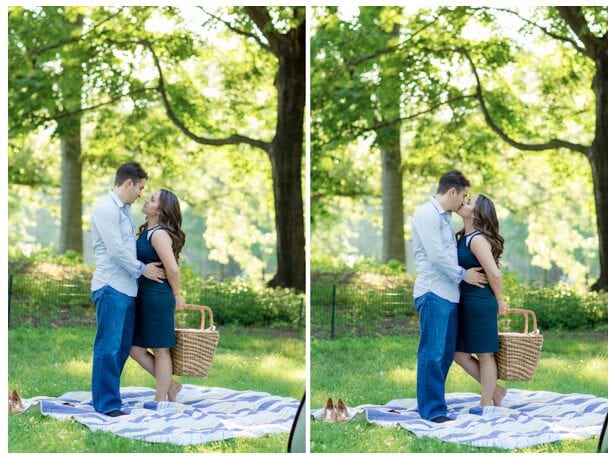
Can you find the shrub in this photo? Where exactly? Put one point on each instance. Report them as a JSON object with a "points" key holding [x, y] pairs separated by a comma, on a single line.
{"points": [[47, 256], [558, 305], [239, 302], [382, 303], [325, 265], [51, 294], [368, 273]]}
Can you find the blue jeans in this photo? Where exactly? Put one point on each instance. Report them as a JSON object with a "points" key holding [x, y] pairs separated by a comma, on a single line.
{"points": [[115, 322], [438, 325]]}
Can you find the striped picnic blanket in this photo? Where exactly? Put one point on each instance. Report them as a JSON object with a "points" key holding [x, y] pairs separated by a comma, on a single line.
{"points": [[524, 419], [200, 415]]}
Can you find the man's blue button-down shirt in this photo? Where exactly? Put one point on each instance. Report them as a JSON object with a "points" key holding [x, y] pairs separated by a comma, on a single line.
{"points": [[435, 252], [115, 249]]}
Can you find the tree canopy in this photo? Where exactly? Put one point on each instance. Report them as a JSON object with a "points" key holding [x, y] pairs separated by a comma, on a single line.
{"points": [[484, 90], [188, 92]]}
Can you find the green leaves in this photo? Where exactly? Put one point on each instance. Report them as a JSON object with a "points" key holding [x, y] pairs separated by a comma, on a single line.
{"points": [[535, 85], [218, 82]]}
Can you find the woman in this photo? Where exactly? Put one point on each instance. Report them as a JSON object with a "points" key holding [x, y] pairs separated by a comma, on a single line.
{"points": [[160, 240], [480, 245]]}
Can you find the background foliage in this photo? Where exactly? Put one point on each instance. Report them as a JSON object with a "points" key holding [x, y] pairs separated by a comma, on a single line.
{"points": [[220, 83], [536, 88], [55, 291]]}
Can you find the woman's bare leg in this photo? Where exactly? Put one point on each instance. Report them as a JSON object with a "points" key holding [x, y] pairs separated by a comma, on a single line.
{"points": [[469, 364], [164, 371], [147, 361], [488, 378], [472, 367], [144, 358], [500, 393], [174, 390]]}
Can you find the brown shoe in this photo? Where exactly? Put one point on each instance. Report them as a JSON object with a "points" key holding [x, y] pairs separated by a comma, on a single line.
{"points": [[330, 414], [342, 411], [15, 404]]}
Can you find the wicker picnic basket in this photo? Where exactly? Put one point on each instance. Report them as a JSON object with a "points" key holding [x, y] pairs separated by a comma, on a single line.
{"points": [[195, 348], [519, 352]]}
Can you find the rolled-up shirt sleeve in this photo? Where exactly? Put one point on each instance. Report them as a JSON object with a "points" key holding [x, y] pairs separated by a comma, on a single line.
{"points": [[107, 220], [428, 229]]}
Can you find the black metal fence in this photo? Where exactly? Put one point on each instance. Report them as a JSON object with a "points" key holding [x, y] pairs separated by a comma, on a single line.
{"points": [[42, 301], [338, 310]]}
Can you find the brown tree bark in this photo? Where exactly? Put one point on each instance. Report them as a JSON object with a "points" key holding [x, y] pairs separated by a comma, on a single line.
{"points": [[598, 160], [393, 242], [69, 130], [285, 155], [596, 48], [391, 176], [285, 151], [71, 233]]}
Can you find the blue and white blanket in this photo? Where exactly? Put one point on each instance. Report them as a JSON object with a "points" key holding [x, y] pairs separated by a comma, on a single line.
{"points": [[524, 419], [200, 415]]}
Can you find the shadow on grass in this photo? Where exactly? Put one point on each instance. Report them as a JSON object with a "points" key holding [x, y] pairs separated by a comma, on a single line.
{"points": [[360, 436], [33, 432], [50, 362], [378, 370]]}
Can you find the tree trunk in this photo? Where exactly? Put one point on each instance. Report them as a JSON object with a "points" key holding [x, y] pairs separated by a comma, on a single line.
{"points": [[389, 141], [285, 156], [69, 131], [393, 243], [599, 165], [71, 236]]}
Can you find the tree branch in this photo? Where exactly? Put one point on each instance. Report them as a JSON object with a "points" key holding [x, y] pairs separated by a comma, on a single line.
{"points": [[38, 121], [73, 39], [232, 139], [238, 30], [382, 125], [378, 53], [576, 21], [316, 197], [552, 144], [260, 16], [544, 30], [390, 49], [449, 101]]}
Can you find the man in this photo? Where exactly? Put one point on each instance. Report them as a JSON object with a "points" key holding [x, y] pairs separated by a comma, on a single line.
{"points": [[114, 285], [436, 291]]}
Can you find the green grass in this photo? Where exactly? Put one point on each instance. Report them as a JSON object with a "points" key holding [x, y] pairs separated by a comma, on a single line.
{"points": [[54, 361], [377, 370]]}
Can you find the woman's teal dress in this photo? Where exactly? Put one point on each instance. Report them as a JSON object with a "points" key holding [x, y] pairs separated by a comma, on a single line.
{"points": [[155, 318], [477, 330]]}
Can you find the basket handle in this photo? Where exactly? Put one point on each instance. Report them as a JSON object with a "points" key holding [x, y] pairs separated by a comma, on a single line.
{"points": [[525, 313], [202, 309]]}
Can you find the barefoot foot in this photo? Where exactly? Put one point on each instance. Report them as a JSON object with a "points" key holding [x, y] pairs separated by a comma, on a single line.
{"points": [[174, 390], [500, 393]]}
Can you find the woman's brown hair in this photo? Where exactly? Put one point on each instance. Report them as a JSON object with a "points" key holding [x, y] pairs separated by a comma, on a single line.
{"points": [[486, 222], [170, 219]]}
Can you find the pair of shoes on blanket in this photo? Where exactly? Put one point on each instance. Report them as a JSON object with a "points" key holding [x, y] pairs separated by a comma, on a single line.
{"points": [[335, 413], [15, 403]]}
